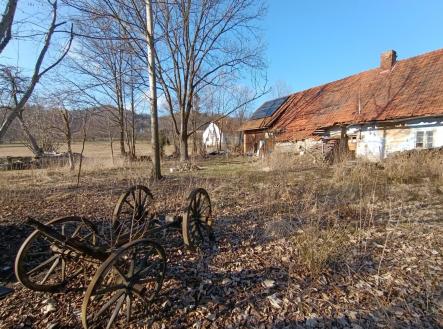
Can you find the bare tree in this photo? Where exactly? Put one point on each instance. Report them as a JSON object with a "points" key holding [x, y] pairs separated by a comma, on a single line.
{"points": [[107, 72], [198, 44], [205, 43], [61, 121], [20, 96], [6, 24]]}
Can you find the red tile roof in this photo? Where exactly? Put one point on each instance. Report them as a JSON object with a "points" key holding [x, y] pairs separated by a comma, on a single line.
{"points": [[412, 88], [257, 124]]}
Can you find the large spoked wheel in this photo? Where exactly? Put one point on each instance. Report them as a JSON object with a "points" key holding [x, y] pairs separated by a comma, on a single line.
{"points": [[124, 285], [42, 265], [197, 222], [132, 215]]}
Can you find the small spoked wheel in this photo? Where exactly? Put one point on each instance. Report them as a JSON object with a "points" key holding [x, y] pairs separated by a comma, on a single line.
{"points": [[42, 265], [132, 215], [197, 222], [124, 285]]}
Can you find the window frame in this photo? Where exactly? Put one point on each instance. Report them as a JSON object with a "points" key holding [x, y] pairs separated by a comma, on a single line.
{"points": [[417, 138], [424, 139]]}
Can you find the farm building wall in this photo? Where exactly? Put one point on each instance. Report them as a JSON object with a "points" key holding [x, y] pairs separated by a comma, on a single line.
{"points": [[296, 147], [378, 140], [256, 142]]}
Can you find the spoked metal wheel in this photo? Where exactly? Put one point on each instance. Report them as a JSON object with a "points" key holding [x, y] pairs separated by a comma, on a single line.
{"points": [[197, 222], [42, 265], [124, 285], [132, 215]]}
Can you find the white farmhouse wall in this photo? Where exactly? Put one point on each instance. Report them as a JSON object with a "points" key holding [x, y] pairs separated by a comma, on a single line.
{"points": [[379, 140]]}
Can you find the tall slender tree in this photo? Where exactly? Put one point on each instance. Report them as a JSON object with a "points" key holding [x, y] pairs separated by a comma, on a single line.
{"points": [[153, 90]]}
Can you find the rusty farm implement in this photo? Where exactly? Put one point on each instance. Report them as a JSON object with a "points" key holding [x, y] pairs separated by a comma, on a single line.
{"points": [[126, 262]]}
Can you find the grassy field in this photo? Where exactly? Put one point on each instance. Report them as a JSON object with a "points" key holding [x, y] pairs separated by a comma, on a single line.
{"points": [[97, 150], [299, 243]]}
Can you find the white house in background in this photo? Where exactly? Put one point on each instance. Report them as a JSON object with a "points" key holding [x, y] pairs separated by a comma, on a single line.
{"points": [[213, 137]]}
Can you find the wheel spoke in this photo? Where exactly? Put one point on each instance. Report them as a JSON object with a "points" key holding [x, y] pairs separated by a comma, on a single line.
{"points": [[140, 197], [115, 313], [109, 303], [54, 265], [120, 273], [109, 289], [199, 195], [76, 231], [127, 202], [63, 272], [144, 200], [128, 307], [135, 199], [46, 262], [207, 206], [141, 272]]}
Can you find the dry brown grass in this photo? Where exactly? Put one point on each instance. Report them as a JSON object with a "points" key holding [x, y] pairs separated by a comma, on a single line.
{"points": [[414, 166], [318, 249], [93, 149], [333, 209], [279, 161], [330, 230]]}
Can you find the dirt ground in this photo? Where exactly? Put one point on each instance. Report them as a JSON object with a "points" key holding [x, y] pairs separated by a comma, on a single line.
{"points": [[297, 246]]}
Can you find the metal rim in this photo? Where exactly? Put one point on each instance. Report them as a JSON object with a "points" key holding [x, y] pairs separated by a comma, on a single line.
{"points": [[56, 266], [124, 284], [132, 217], [197, 222]]}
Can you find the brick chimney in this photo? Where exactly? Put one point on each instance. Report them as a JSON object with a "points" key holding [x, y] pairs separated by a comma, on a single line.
{"points": [[388, 59]]}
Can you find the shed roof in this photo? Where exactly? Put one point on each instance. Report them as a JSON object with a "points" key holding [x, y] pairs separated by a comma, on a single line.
{"points": [[412, 88]]}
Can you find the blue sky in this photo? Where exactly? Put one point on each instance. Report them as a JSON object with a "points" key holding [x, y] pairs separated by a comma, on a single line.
{"points": [[314, 42]]}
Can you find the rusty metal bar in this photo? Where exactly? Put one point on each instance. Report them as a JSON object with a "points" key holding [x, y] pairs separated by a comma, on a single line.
{"points": [[67, 242]]}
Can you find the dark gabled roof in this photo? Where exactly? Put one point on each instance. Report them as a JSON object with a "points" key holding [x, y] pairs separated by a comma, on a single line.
{"points": [[268, 108]]}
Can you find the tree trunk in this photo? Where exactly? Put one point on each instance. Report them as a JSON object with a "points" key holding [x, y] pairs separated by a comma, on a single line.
{"points": [[153, 91], [133, 121], [6, 24], [33, 142], [111, 141], [184, 156], [81, 154], [70, 156], [122, 139], [68, 135], [5, 126]]}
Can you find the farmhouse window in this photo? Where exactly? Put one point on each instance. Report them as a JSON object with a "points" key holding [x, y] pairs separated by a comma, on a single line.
{"points": [[429, 139], [419, 139], [424, 139]]}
